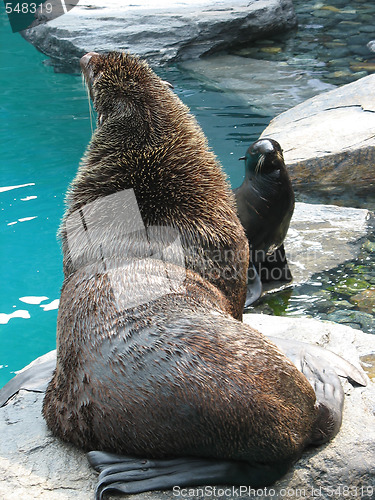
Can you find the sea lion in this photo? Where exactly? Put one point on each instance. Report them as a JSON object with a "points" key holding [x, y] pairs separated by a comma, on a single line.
{"points": [[265, 205], [152, 358]]}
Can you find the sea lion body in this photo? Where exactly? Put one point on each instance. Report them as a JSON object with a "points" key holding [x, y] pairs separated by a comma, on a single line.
{"points": [[169, 378], [152, 360], [265, 205]]}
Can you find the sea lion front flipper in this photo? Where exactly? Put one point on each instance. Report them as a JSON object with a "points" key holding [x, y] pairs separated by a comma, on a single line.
{"points": [[133, 475], [329, 398], [34, 377], [275, 267], [254, 286], [296, 352]]}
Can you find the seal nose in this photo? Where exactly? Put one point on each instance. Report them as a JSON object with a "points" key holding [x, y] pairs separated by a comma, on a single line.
{"points": [[84, 61]]}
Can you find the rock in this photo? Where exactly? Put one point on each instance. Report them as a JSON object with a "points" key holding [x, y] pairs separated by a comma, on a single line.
{"points": [[354, 319], [365, 300], [255, 81], [159, 31], [331, 8], [366, 66], [330, 139], [34, 464], [348, 286], [369, 246], [321, 237]]}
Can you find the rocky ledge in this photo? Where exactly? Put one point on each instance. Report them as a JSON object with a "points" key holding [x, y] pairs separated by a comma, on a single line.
{"points": [[159, 31], [321, 237], [330, 138], [37, 465]]}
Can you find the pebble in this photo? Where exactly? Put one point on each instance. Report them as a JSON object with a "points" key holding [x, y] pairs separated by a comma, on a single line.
{"points": [[369, 18], [357, 76], [365, 300], [321, 13], [360, 50], [333, 45], [338, 52], [271, 50], [339, 63], [355, 319], [363, 66], [359, 40], [330, 8], [343, 303], [338, 74], [369, 246], [265, 42], [368, 364]]}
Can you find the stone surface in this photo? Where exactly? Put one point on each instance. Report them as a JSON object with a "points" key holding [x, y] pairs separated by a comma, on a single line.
{"points": [[269, 87], [365, 300], [330, 138], [159, 31], [37, 465], [321, 237]]}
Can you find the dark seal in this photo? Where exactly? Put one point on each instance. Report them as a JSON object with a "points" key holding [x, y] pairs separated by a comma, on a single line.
{"points": [[152, 360], [265, 205]]}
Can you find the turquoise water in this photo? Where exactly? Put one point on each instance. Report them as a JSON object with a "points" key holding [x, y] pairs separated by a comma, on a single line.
{"points": [[45, 128]]}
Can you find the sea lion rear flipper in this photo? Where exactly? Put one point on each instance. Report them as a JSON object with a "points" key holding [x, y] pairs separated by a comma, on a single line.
{"points": [[34, 377], [134, 475], [275, 267]]}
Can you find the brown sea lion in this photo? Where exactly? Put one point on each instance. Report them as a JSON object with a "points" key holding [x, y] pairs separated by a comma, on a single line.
{"points": [[152, 360]]}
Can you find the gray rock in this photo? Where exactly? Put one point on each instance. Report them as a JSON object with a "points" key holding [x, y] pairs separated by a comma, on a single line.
{"points": [[159, 31], [345, 466], [354, 319], [34, 464], [33, 377], [321, 237], [268, 87], [330, 139]]}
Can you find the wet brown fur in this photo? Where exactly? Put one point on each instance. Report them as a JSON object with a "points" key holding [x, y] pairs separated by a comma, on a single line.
{"points": [[180, 375]]}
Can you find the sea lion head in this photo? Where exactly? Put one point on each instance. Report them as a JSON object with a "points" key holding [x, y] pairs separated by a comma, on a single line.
{"points": [[263, 157], [118, 83]]}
